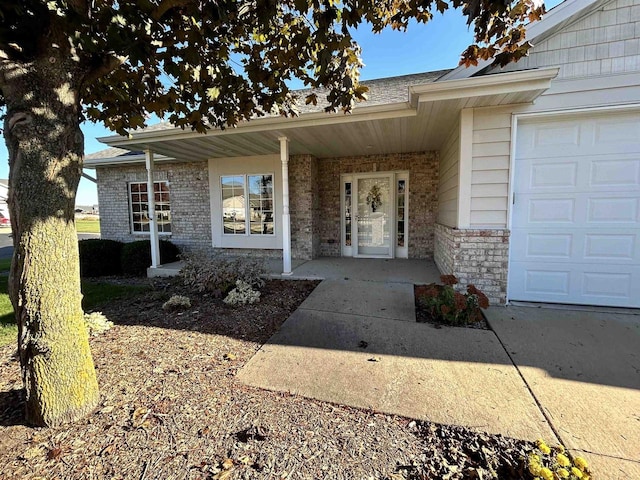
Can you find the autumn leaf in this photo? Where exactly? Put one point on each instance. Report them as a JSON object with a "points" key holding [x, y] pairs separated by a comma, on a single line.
{"points": [[139, 418], [54, 453]]}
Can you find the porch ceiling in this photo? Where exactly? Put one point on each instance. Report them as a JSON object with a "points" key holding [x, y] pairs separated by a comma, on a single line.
{"points": [[421, 124]]}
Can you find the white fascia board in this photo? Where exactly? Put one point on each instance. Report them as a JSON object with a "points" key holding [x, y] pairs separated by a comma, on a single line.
{"points": [[266, 124], [526, 80], [552, 19], [121, 160]]}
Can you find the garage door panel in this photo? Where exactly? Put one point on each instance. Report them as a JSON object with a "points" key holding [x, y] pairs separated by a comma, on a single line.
{"points": [[623, 130], [589, 209], [606, 285], [551, 210], [592, 173], [554, 175], [615, 173], [575, 235], [598, 135], [612, 209], [581, 284], [610, 247]]}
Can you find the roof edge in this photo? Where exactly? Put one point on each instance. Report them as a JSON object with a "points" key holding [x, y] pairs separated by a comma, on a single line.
{"points": [[478, 86], [536, 31]]}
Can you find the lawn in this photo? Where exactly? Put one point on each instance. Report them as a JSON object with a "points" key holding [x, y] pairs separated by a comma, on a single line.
{"points": [[95, 294], [88, 226]]}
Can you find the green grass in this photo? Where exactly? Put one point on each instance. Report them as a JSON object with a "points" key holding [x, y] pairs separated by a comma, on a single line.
{"points": [[8, 327], [88, 226], [5, 264], [95, 294]]}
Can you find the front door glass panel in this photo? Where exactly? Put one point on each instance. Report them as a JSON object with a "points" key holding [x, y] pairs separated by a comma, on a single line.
{"points": [[374, 216]]}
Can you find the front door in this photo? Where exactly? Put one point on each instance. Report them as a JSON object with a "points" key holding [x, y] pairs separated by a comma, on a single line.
{"points": [[374, 216]]}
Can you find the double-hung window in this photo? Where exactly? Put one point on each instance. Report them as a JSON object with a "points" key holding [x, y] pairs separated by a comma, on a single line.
{"points": [[247, 204], [139, 202]]}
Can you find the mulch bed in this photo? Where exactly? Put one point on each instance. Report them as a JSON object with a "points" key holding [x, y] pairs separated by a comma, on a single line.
{"points": [[172, 408], [423, 315]]}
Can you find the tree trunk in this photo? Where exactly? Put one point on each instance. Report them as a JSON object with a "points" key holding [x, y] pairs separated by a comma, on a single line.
{"points": [[45, 143]]}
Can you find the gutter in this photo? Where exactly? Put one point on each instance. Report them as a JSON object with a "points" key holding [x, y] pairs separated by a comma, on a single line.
{"points": [[497, 84], [375, 112]]}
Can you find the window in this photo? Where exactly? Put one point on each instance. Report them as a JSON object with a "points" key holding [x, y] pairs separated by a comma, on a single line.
{"points": [[247, 204], [139, 198]]}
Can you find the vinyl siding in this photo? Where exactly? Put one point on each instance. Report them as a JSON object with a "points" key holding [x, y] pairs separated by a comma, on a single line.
{"points": [[603, 43], [490, 167], [448, 179]]}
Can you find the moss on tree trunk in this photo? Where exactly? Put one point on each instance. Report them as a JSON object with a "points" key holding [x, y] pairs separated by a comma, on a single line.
{"points": [[45, 143]]}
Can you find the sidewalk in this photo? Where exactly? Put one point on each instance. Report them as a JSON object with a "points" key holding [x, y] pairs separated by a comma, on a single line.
{"points": [[355, 341]]}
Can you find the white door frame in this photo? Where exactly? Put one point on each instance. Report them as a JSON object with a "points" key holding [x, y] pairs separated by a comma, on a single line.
{"points": [[351, 250]]}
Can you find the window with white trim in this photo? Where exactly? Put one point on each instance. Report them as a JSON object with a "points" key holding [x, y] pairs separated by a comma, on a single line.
{"points": [[139, 204], [247, 204]]}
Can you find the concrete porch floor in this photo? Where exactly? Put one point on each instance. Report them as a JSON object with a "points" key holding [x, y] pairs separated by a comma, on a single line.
{"points": [[338, 268]]}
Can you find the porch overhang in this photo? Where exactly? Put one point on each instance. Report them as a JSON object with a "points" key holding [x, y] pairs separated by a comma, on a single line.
{"points": [[420, 124]]}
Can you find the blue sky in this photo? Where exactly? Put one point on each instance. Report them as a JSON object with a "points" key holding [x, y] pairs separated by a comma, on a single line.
{"points": [[422, 48]]}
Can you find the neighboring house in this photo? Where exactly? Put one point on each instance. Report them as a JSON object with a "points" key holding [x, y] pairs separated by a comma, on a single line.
{"points": [[524, 181], [4, 208]]}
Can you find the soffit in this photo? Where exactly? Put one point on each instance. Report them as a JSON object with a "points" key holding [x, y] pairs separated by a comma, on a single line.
{"points": [[422, 124]]}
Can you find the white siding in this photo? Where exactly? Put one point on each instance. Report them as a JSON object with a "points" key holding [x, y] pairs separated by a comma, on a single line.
{"points": [[448, 178], [603, 43], [490, 167]]}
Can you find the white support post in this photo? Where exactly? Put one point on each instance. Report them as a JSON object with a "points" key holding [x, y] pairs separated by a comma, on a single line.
{"points": [[153, 224], [286, 218]]}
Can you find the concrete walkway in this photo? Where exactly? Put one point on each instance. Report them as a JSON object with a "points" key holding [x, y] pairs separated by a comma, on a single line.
{"points": [[540, 373], [583, 367]]}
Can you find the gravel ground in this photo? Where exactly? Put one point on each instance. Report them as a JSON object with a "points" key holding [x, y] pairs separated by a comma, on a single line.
{"points": [[171, 408]]}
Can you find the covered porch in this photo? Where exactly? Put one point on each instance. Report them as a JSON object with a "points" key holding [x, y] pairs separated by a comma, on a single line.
{"points": [[395, 270]]}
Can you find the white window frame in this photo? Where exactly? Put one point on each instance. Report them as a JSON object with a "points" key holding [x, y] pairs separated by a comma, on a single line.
{"points": [[252, 165], [130, 202], [247, 205]]}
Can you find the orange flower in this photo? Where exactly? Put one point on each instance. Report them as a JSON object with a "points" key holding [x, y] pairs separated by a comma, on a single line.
{"points": [[461, 301], [448, 279], [483, 301]]}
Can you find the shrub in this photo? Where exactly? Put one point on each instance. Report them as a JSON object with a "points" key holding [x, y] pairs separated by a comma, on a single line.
{"points": [[551, 463], [99, 257], [177, 302], [217, 275], [136, 256], [97, 323], [242, 294], [448, 306]]}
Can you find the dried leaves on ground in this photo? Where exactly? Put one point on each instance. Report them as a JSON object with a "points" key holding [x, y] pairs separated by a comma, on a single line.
{"points": [[172, 408]]}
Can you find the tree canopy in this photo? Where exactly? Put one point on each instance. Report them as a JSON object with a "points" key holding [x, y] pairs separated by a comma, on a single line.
{"points": [[207, 64]]}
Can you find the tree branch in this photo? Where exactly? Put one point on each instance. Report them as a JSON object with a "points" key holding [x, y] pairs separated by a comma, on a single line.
{"points": [[81, 7], [107, 64], [165, 6]]}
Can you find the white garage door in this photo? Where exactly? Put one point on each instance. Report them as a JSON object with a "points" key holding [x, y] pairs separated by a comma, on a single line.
{"points": [[576, 213]]}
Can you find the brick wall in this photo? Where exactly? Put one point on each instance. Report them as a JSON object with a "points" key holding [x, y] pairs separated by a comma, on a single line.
{"points": [[303, 203], [188, 194], [314, 189], [423, 185], [480, 257]]}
